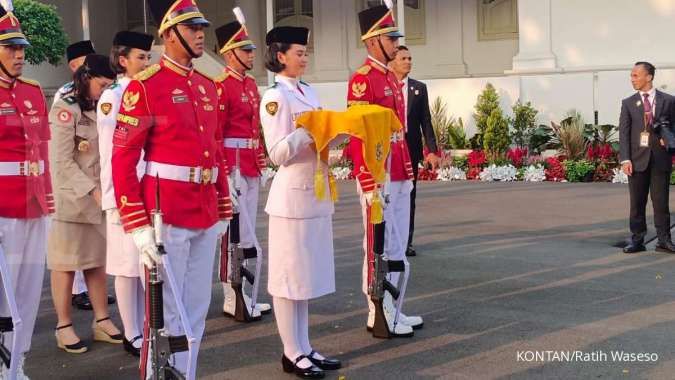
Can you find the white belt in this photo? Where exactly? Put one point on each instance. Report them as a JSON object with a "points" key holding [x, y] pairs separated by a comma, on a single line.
{"points": [[241, 143], [23, 168], [182, 173]]}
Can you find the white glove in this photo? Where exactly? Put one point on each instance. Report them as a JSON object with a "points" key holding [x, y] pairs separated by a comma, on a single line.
{"points": [[113, 216], [144, 238]]}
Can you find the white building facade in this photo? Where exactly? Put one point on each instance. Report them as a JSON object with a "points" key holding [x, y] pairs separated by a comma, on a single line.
{"points": [[558, 54]]}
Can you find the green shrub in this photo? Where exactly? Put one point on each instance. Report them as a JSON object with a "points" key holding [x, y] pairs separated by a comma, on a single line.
{"points": [[496, 138], [577, 171], [487, 102], [42, 26], [523, 123]]}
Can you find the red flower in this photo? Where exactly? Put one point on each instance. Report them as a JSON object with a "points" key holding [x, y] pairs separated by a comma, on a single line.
{"points": [[473, 173], [476, 159], [555, 171], [517, 156], [603, 152]]}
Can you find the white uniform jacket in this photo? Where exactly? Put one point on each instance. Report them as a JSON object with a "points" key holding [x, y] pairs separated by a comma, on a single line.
{"points": [[106, 115], [292, 192]]}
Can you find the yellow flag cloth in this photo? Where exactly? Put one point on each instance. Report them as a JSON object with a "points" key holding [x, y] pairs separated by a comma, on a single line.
{"points": [[372, 124]]}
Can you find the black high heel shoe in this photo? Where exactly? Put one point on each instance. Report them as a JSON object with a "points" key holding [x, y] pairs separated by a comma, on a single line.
{"points": [[75, 348], [130, 348], [325, 364], [312, 372]]}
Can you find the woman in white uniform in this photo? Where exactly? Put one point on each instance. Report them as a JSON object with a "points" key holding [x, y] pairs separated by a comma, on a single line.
{"points": [[301, 263], [130, 55]]}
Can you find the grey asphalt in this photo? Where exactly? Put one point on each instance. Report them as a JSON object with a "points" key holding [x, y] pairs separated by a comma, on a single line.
{"points": [[506, 272]]}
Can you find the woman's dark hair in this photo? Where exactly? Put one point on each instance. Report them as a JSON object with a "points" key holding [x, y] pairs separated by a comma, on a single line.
{"points": [[80, 91], [115, 53], [271, 61]]}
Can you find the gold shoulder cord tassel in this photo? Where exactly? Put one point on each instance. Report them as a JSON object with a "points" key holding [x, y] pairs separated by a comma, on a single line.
{"points": [[333, 187], [319, 187], [376, 212]]}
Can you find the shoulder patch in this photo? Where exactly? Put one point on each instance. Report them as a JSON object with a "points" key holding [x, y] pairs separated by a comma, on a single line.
{"points": [[364, 70], [106, 108], [70, 100], [149, 72], [272, 108], [29, 81]]}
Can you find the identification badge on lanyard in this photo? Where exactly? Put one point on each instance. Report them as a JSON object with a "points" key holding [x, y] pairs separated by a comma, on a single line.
{"points": [[644, 139]]}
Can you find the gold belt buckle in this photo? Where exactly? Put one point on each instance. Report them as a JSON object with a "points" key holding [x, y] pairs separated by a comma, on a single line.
{"points": [[207, 175], [34, 169]]}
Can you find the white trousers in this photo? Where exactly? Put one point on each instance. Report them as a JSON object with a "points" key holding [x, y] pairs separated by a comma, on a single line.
{"points": [[248, 214], [191, 253], [397, 225], [248, 210], [25, 247]]}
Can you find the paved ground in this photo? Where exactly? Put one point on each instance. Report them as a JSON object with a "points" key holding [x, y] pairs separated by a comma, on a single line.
{"points": [[502, 269]]}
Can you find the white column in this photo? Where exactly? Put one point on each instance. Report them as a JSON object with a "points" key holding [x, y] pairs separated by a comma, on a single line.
{"points": [[85, 20], [534, 35], [400, 20], [269, 11]]}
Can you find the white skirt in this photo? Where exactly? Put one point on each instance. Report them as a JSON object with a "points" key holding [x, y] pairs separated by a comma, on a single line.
{"points": [[301, 264], [121, 252]]}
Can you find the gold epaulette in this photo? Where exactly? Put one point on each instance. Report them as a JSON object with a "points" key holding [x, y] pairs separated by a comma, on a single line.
{"points": [[221, 77], [147, 73], [29, 81], [364, 70], [205, 76]]}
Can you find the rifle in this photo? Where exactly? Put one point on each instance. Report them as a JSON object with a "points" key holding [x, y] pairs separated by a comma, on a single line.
{"points": [[237, 264], [157, 343], [13, 323]]}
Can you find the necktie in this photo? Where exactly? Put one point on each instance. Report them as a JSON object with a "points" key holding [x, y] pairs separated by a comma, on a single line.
{"points": [[649, 116]]}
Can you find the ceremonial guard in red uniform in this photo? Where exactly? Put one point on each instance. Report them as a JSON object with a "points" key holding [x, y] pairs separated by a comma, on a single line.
{"points": [[244, 152], [171, 112], [25, 187], [373, 83]]}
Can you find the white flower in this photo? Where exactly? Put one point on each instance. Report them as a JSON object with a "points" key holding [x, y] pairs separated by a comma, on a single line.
{"points": [[638, 103], [505, 173], [534, 174], [451, 174], [341, 172], [619, 176]]}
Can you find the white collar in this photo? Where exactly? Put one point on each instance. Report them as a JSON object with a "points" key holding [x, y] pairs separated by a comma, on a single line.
{"points": [[290, 82], [186, 68], [652, 94]]}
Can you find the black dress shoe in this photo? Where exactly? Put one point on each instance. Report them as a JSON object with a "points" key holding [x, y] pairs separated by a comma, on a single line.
{"points": [[325, 364], [111, 299], [666, 246], [410, 251], [129, 346], [634, 247], [81, 301], [312, 372]]}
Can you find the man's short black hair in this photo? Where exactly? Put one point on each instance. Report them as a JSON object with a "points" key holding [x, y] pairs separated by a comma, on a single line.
{"points": [[402, 47], [651, 70]]}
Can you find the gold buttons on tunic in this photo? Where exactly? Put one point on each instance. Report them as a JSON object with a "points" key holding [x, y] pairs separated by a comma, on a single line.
{"points": [[206, 154]]}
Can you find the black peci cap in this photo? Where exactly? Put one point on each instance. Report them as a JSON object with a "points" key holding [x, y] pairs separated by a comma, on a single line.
{"points": [[98, 65], [133, 40], [288, 35], [79, 49]]}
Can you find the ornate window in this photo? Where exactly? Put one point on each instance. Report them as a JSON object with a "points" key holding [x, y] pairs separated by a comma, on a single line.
{"points": [[295, 13], [497, 19]]}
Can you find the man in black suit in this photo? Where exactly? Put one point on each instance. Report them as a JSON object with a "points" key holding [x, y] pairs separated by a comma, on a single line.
{"points": [[644, 159], [418, 123]]}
